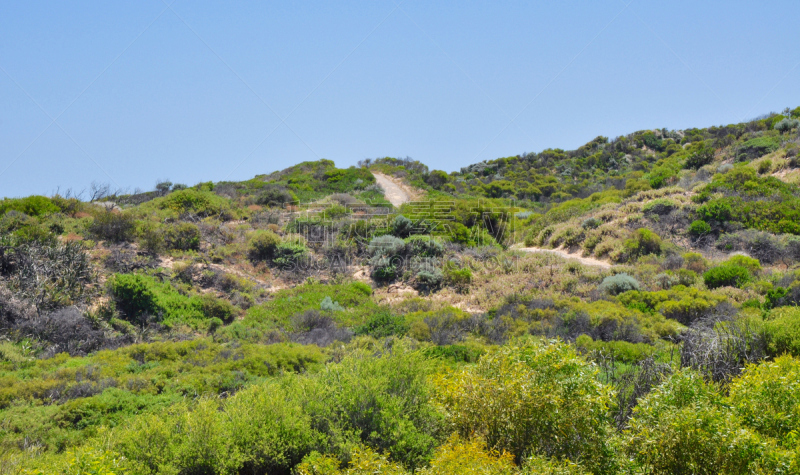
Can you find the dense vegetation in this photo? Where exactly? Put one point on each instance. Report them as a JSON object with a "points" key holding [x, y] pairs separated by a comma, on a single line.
{"points": [[297, 323]]}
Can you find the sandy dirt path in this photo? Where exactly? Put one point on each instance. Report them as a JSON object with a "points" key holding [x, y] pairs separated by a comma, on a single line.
{"points": [[392, 190], [589, 261], [397, 195]]}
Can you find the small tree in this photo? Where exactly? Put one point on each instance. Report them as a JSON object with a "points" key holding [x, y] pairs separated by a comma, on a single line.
{"points": [[163, 187], [786, 125]]}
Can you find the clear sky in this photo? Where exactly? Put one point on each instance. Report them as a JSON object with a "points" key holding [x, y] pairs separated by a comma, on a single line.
{"points": [[127, 92]]}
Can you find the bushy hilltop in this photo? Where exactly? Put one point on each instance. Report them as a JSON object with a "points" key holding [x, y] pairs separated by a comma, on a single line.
{"points": [[626, 307]]}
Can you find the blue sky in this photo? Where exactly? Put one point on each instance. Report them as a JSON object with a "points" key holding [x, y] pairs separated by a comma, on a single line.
{"points": [[131, 92]]}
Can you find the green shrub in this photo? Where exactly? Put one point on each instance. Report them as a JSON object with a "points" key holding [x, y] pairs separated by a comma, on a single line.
{"points": [[278, 311], [151, 239], [715, 211], [757, 147], [140, 297], [684, 304], [430, 277], [183, 237], [289, 254], [699, 156], [752, 265], [590, 223], [782, 330], [201, 203], [765, 203], [275, 195], [262, 245], [383, 324], [665, 172], [32, 205], [699, 228], [383, 402], [456, 353], [113, 226], [621, 351], [786, 125], [362, 287], [686, 277], [726, 275], [383, 269], [423, 246], [258, 430], [401, 226], [532, 398], [695, 261], [336, 212], [213, 307], [214, 324], [682, 426], [767, 397], [643, 242], [619, 283], [458, 278]]}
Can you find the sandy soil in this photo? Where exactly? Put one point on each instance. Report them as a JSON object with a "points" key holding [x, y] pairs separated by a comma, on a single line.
{"points": [[395, 191]]}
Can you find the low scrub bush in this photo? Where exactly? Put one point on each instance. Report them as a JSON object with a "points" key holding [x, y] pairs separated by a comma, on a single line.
{"points": [[695, 261], [643, 242], [782, 329], [113, 226], [182, 237], [386, 246], [401, 420], [259, 430], [764, 203], [683, 426], [275, 195], [752, 265], [46, 275], [423, 246], [289, 254], [459, 278], [591, 223], [763, 246], [142, 298], [532, 398], [757, 147], [699, 228], [32, 206], [660, 207], [383, 324], [767, 398], [621, 351], [401, 227], [680, 303], [619, 283], [277, 312], [262, 245], [200, 203], [726, 275]]}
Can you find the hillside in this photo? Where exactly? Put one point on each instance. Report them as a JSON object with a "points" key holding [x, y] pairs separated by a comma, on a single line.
{"points": [[630, 306]]}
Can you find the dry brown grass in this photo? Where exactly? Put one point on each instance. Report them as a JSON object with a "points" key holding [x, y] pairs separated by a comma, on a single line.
{"points": [[606, 241], [542, 273]]}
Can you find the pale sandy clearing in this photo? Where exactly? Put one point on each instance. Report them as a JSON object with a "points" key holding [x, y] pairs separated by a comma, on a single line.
{"points": [[394, 191]]}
